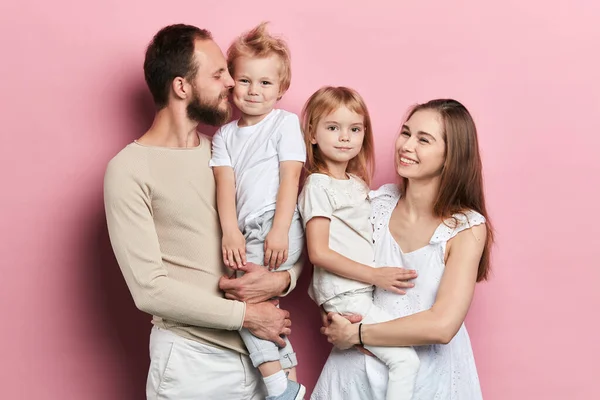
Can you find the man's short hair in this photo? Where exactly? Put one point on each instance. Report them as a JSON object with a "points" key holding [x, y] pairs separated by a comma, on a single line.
{"points": [[169, 55]]}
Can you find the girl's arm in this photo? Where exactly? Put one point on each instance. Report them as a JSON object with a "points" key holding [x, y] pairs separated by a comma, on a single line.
{"points": [[276, 242], [319, 253], [233, 244], [440, 323]]}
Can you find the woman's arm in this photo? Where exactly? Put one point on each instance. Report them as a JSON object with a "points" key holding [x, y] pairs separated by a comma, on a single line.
{"points": [[276, 242], [319, 253], [439, 324]]}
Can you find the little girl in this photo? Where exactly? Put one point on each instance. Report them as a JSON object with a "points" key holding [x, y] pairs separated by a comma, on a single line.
{"points": [[336, 211]]}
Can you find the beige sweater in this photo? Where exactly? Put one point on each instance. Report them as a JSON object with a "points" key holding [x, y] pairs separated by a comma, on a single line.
{"points": [[164, 229]]}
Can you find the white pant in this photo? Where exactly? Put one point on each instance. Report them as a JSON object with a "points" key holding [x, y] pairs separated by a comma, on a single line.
{"points": [[403, 362], [182, 369]]}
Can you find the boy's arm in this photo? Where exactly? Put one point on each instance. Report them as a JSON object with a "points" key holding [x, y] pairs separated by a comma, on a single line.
{"points": [[276, 242], [233, 243], [291, 151]]}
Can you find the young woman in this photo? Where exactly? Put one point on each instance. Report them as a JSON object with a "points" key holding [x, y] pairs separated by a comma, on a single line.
{"points": [[434, 222]]}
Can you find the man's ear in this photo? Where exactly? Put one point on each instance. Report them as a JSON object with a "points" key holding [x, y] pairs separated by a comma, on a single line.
{"points": [[181, 88]]}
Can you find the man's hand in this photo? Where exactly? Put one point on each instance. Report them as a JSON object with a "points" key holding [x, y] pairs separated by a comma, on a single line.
{"points": [[268, 322], [257, 284], [233, 246], [276, 248]]}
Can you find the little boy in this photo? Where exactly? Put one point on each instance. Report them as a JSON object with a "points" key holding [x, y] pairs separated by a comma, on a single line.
{"points": [[257, 161]]}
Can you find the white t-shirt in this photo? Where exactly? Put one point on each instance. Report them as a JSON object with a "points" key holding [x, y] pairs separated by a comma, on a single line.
{"points": [[346, 205], [254, 152]]}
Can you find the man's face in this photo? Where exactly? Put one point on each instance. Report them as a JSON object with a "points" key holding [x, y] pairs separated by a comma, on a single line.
{"points": [[211, 86]]}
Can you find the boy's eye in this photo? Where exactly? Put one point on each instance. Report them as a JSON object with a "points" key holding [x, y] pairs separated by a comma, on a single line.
{"points": [[243, 80], [266, 82]]}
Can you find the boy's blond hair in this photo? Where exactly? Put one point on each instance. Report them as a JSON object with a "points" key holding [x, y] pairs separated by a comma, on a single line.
{"points": [[259, 43]]}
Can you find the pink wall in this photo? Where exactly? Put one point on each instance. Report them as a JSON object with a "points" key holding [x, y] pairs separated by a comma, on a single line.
{"points": [[72, 94]]}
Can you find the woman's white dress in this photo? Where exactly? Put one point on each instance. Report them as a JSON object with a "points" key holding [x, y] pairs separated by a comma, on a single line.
{"points": [[448, 371]]}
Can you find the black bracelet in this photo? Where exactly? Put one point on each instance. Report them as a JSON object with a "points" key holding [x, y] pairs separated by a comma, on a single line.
{"points": [[360, 334]]}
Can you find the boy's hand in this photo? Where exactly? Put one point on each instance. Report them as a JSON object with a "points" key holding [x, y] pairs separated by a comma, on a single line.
{"points": [[234, 248], [276, 248]]}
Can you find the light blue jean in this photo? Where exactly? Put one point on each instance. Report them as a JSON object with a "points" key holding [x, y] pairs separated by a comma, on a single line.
{"points": [[255, 232]]}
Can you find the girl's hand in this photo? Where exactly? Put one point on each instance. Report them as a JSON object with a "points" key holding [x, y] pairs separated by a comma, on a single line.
{"points": [[234, 249], [276, 248], [393, 279], [341, 332]]}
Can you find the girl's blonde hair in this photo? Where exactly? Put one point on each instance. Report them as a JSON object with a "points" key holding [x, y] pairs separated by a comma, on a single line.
{"points": [[324, 102]]}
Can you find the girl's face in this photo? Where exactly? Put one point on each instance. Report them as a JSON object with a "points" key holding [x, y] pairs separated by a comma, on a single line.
{"points": [[339, 136], [420, 147]]}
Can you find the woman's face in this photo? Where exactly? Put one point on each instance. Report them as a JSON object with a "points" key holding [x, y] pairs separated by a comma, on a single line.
{"points": [[420, 147]]}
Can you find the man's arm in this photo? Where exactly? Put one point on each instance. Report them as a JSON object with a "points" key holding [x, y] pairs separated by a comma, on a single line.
{"points": [[136, 247]]}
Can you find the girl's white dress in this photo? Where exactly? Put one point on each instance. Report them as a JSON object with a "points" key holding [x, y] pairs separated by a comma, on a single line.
{"points": [[448, 371]]}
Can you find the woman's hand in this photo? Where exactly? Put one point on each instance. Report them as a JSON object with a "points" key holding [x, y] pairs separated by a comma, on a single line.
{"points": [[342, 330], [393, 279], [353, 318]]}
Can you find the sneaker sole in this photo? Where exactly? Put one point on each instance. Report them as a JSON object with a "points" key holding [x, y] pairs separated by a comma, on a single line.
{"points": [[301, 393]]}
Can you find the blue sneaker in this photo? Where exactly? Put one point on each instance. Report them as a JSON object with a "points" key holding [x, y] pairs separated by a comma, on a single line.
{"points": [[294, 391]]}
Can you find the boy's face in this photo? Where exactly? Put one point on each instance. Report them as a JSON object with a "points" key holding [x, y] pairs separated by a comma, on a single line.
{"points": [[257, 85]]}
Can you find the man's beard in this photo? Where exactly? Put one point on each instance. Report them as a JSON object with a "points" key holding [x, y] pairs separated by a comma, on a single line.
{"points": [[208, 113]]}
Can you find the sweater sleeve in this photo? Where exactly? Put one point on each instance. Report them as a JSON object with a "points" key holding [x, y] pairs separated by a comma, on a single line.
{"points": [[127, 202]]}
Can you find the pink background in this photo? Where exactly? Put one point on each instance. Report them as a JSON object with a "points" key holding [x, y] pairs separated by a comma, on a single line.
{"points": [[72, 95]]}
